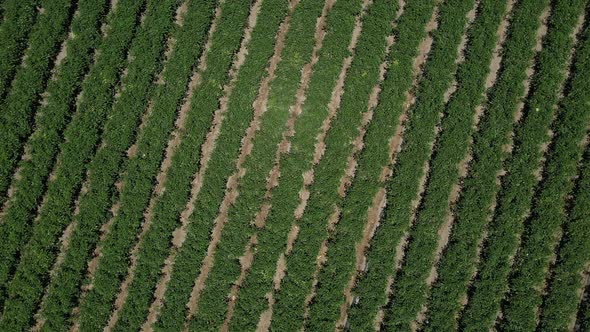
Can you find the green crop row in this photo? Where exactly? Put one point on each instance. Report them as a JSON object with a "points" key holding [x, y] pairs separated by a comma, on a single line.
{"points": [[222, 165], [43, 145], [548, 208], [19, 18], [142, 168], [334, 276], [251, 300], [515, 196], [166, 213], [81, 140], [559, 306], [238, 116], [419, 131], [409, 32], [146, 48], [583, 316], [459, 258], [30, 79], [410, 290], [363, 74], [103, 171], [297, 52]]}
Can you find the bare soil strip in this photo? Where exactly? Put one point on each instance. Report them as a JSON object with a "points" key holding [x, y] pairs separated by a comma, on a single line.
{"points": [[231, 192], [283, 148], [179, 234]]}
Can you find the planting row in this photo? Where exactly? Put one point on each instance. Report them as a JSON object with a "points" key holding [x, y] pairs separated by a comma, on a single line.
{"points": [[410, 287], [35, 264], [548, 212], [297, 51], [166, 212], [458, 261], [119, 134], [16, 119], [271, 240], [19, 17], [517, 186], [81, 139], [190, 255], [409, 30], [362, 76], [419, 132], [143, 165], [559, 308]]}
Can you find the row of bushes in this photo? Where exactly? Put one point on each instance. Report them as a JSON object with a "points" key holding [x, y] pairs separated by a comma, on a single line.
{"points": [[573, 253], [298, 46], [362, 76], [142, 167], [548, 212], [16, 119], [410, 290], [272, 239], [514, 198], [334, 276], [459, 258], [222, 164], [81, 139], [55, 216], [18, 20], [155, 245], [119, 133], [419, 132]]}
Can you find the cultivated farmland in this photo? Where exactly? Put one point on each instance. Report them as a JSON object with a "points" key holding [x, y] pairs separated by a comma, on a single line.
{"points": [[294, 165]]}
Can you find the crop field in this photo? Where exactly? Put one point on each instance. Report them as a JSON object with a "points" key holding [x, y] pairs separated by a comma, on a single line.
{"points": [[294, 165]]}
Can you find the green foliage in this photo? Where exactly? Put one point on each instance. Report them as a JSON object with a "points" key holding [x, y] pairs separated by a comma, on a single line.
{"points": [[221, 166], [142, 168], [30, 79], [548, 212], [81, 138], [19, 17], [118, 136], [272, 239], [362, 76], [166, 212], [410, 290], [458, 261], [514, 199], [297, 51]]}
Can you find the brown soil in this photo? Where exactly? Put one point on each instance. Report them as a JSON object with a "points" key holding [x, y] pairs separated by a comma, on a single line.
{"points": [[181, 13], [232, 183]]}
